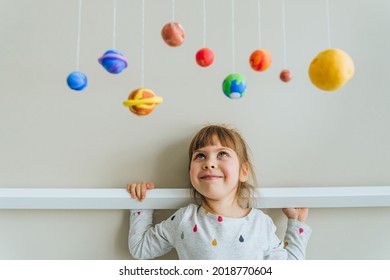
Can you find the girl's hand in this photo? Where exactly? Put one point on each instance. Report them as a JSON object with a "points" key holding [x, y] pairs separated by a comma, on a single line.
{"points": [[138, 190], [299, 214]]}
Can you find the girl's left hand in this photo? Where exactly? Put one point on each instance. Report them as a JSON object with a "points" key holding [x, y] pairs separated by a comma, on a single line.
{"points": [[138, 190], [299, 214]]}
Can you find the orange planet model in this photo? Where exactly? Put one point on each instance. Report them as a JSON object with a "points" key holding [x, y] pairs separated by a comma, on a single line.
{"points": [[260, 60], [142, 101]]}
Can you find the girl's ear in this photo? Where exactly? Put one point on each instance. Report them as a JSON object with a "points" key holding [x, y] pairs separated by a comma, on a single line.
{"points": [[244, 173]]}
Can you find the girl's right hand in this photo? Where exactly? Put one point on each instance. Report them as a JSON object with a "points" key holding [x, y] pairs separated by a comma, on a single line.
{"points": [[138, 190]]}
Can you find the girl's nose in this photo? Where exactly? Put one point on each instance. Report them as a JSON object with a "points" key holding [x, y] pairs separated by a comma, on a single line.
{"points": [[209, 165]]}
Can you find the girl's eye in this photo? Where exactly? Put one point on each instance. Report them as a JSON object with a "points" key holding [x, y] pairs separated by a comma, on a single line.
{"points": [[199, 156], [222, 154]]}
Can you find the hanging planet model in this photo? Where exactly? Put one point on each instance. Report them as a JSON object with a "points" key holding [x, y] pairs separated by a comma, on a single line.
{"points": [[142, 101], [113, 61], [77, 80], [234, 86], [331, 69], [204, 57], [173, 34], [260, 60], [285, 75]]}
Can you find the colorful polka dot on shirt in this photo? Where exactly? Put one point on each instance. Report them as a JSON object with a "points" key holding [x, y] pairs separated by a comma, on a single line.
{"points": [[214, 243], [301, 230], [220, 219]]}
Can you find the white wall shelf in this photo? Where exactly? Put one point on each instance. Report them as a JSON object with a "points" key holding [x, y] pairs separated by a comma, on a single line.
{"points": [[118, 198]]}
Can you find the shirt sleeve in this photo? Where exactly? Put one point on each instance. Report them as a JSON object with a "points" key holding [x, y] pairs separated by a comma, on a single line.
{"points": [[294, 245], [148, 241], [296, 239]]}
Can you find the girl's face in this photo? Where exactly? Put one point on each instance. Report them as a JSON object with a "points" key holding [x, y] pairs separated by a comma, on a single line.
{"points": [[215, 171]]}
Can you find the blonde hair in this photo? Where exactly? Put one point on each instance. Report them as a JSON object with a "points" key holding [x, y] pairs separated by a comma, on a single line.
{"points": [[231, 138]]}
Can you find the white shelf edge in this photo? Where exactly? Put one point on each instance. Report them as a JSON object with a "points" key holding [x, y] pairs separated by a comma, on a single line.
{"points": [[118, 198]]}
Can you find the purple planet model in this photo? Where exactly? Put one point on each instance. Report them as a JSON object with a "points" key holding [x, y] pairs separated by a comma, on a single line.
{"points": [[113, 61]]}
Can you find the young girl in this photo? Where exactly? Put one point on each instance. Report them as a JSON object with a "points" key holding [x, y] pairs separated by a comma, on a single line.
{"points": [[222, 225]]}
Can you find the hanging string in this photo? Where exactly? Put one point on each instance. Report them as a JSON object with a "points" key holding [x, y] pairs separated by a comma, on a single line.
{"points": [[204, 23], [284, 34], [328, 22], [78, 37], [259, 23], [114, 26], [142, 43], [173, 10], [233, 39]]}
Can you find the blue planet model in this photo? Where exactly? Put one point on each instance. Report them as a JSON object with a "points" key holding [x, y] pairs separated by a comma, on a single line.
{"points": [[77, 80]]}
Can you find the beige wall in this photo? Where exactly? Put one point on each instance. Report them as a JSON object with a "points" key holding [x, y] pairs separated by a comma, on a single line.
{"points": [[299, 135]]}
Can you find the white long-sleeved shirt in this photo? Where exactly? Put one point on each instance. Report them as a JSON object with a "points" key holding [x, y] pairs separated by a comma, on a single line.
{"points": [[198, 234]]}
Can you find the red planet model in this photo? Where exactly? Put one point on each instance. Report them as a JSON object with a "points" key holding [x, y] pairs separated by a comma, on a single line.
{"points": [[204, 57], [285, 75]]}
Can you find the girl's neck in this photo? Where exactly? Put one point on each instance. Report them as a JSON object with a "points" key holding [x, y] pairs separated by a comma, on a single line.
{"points": [[229, 209]]}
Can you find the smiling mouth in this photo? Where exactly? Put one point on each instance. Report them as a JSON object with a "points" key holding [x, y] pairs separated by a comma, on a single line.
{"points": [[210, 177]]}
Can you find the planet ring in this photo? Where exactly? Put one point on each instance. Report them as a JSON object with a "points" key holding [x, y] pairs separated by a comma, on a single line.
{"points": [[155, 100], [115, 56]]}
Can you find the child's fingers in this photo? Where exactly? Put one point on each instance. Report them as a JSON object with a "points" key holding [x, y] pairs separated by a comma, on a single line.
{"points": [[142, 191], [131, 190], [128, 188], [145, 187], [150, 186], [138, 190]]}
